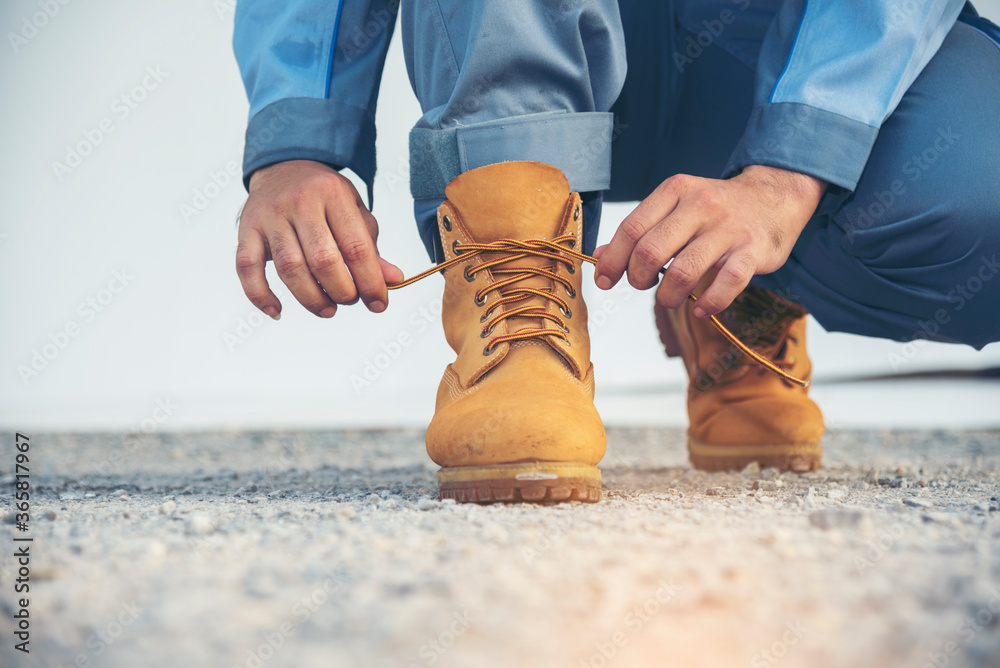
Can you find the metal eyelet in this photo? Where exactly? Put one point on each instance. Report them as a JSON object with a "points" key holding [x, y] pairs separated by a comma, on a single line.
{"points": [[571, 268], [469, 277], [480, 302], [487, 351], [454, 247], [486, 332], [571, 292], [447, 223], [568, 312], [572, 243], [576, 212]]}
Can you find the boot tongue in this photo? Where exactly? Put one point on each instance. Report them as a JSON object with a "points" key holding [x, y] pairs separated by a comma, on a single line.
{"points": [[510, 200], [514, 200]]}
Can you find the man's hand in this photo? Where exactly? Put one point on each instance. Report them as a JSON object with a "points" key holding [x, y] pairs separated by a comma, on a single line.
{"points": [[311, 221], [742, 226]]}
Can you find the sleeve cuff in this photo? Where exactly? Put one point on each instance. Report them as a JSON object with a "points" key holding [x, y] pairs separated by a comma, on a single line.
{"points": [[805, 139], [306, 128]]}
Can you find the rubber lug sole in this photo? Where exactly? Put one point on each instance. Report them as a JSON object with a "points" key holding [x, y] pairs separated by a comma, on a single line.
{"points": [[536, 482], [799, 458]]}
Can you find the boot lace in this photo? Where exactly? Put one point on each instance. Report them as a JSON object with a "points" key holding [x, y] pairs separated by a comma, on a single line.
{"points": [[763, 319], [561, 250]]}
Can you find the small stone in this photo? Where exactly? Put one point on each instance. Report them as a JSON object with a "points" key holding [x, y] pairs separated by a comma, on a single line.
{"points": [[373, 499], [200, 524], [258, 499], [167, 507], [89, 495], [837, 494], [940, 518], [983, 507], [885, 482], [751, 469], [427, 504], [765, 485], [900, 471], [915, 502], [769, 473], [836, 518], [861, 484], [922, 483], [715, 491], [50, 514], [69, 496], [872, 476]]}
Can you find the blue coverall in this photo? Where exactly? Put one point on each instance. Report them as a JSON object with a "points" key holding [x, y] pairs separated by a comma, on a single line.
{"points": [[894, 103]]}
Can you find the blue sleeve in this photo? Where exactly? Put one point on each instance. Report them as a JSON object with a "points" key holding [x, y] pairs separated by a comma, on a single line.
{"points": [[312, 69], [830, 72]]}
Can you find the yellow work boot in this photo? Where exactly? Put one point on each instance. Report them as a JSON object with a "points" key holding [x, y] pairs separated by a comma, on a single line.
{"points": [[739, 411], [515, 417]]}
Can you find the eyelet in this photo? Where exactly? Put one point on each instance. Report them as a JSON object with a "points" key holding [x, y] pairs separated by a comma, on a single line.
{"points": [[469, 277], [486, 332], [487, 351], [571, 292], [480, 302], [571, 268], [576, 212], [454, 247], [572, 243], [568, 312], [447, 223]]}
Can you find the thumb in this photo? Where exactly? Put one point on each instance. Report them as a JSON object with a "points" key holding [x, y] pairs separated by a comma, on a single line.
{"points": [[390, 272]]}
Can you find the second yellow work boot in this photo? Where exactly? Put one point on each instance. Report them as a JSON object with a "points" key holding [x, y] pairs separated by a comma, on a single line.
{"points": [[739, 411], [515, 417]]}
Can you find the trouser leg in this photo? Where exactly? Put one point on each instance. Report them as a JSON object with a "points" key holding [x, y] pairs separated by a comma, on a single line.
{"points": [[512, 80]]}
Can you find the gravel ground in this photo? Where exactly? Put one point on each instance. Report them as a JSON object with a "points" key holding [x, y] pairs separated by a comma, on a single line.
{"points": [[331, 549]]}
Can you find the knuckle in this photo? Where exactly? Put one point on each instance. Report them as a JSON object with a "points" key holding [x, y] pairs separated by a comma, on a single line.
{"points": [[246, 262], [648, 253], [289, 263], [706, 199], [682, 273], [633, 229], [325, 259], [677, 182], [739, 271], [356, 250]]}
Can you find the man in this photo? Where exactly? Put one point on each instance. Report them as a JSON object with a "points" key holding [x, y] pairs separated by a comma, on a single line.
{"points": [[790, 156]]}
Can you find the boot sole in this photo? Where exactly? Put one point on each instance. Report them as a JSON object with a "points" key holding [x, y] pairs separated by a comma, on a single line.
{"points": [[800, 457], [535, 482]]}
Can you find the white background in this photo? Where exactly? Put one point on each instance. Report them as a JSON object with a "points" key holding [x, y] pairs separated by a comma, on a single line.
{"points": [[163, 338]]}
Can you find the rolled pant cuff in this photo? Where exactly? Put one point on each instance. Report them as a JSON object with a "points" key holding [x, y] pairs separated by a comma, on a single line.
{"points": [[579, 144]]}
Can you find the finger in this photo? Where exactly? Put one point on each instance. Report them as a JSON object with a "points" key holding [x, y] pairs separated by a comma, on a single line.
{"points": [[686, 271], [651, 211], [324, 260], [359, 252], [294, 273], [251, 255], [732, 279], [390, 272]]}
